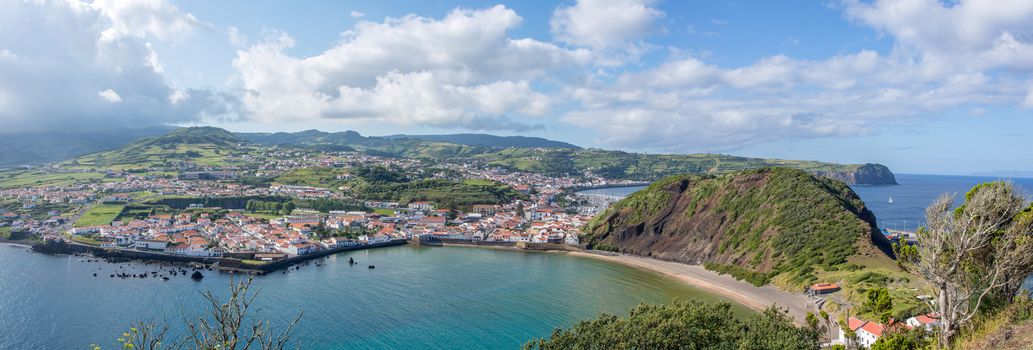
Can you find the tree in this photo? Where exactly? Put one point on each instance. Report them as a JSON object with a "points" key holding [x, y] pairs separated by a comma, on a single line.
{"points": [[287, 208], [222, 328], [979, 251], [683, 325], [879, 302], [902, 339]]}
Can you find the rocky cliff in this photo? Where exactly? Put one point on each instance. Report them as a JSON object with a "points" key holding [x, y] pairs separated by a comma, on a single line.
{"points": [[867, 174], [755, 225]]}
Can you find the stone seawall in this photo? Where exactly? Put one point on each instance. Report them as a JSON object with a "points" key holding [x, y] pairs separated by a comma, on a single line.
{"points": [[226, 264]]}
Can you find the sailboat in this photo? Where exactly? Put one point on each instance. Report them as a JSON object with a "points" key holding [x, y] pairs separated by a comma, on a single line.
{"points": [[891, 200]]}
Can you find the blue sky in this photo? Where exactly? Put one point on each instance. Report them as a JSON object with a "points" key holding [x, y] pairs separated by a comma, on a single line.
{"points": [[919, 85]]}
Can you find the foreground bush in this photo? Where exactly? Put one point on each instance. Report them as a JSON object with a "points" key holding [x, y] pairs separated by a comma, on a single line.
{"points": [[683, 325]]}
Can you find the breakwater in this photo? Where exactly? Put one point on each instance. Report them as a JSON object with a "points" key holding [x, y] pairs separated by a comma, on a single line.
{"points": [[229, 264]]}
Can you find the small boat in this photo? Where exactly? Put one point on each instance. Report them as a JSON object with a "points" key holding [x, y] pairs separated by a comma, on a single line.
{"points": [[371, 267], [891, 200]]}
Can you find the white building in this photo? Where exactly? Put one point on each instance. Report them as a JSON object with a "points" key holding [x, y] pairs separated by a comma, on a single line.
{"points": [[421, 206], [571, 239], [867, 332], [928, 321], [151, 244]]}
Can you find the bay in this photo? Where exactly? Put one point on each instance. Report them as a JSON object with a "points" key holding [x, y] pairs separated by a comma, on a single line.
{"points": [[425, 298]]}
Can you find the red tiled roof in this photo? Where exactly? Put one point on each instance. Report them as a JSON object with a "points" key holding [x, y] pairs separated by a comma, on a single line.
{"points": [[873, 328], [854, 323]]}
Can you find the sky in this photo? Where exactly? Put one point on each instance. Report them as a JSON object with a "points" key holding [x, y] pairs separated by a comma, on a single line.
{"points": [[922, 86]]}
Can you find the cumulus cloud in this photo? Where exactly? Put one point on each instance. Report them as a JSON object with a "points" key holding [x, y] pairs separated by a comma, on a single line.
{"points": [[458, 71], [70, 64], [605, 24], [145, 18], [959, 55], [110, 96]]}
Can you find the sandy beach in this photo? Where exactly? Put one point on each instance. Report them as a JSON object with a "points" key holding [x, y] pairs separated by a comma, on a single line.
{"points": [[758, 298]]}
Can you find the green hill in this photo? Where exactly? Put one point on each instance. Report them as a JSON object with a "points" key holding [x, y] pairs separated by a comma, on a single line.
{"points": [[51, 146], [639, 166], [758, 225], [557, 158], [204, 146], [489, 140]]}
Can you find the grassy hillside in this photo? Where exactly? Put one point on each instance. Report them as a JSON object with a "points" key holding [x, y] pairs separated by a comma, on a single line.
{"points": [[757, 225], [51, 146], [550, 157], [638, 166], [204, 146]]}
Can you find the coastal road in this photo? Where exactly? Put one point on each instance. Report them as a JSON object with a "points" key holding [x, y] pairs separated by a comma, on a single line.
{"points": [[758, 298]]}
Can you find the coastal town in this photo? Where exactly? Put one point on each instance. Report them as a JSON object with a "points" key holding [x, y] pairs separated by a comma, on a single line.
{"points": [[545, 211]]}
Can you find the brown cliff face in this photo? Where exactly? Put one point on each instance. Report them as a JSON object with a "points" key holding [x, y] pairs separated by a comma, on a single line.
{"points": [[754, 224]]}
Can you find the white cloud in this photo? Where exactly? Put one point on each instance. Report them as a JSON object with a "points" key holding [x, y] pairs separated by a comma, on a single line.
{"points": [[963, 55], [102, 69], [145, 18], [967, 34], [605, 24], [357, 14], [455, 71], [110, 96], [235, 37]]}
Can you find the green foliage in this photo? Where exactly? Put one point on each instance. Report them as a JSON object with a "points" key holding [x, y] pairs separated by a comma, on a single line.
{"points": [[682, 325], [878, 301], [444, 193], [903, 339], [379, 174], [624, 165], [326, 205], [771, 222]]}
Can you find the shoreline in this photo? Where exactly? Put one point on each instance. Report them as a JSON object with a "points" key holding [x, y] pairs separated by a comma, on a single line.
{"points": [[753, 297]]}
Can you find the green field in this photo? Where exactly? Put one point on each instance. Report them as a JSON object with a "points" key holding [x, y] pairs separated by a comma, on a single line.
{"points": [[264, 216], [5, 232], [37, 178], [314, 177], [101, 214], [384, 211]]}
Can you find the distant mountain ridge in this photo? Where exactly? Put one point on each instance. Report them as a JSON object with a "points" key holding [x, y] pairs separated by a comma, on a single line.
{"points": [[35, 148], [210, 144], [489, 140]]}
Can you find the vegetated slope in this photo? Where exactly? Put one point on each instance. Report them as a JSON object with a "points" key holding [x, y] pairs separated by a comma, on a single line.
{"points": [[755, 224], [489, 140], [351, 140], [200, 145], [556, 158], [639, 166], [42, 147]]}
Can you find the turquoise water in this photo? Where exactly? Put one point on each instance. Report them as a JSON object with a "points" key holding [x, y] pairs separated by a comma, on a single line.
{"points": [[614, 191], [419, 298]]}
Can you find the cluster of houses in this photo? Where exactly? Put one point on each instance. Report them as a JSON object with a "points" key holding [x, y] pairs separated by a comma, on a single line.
{"points": [[200, 235], [865, 332], [868, 332]]}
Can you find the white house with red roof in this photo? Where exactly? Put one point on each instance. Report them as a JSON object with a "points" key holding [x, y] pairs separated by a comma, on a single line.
{"points": [[927, 321], [867, 332]]}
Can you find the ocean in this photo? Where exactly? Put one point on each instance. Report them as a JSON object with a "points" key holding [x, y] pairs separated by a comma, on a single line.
{"points": [[417, 298]]}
